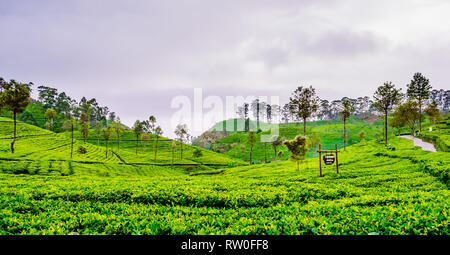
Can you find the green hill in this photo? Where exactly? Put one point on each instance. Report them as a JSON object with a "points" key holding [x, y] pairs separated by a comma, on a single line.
{"points": [[39, 151], [398, 189], [330, 133]]}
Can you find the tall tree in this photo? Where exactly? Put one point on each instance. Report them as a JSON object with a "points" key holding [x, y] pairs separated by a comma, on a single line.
{"points": [[181, 132], [98, 131], [149, 126], [138, 129], [14, 97], [259, 111], [386, 97], [107, 133], [85, 115], [50, 114], [347, 110], [48, 96], [63, 104], [69, 126], [419, 89], [145, 139], [157, 132], [84, 126], [247, 119], [433, 112], [251, 141], [304, 103], [407, 114], [285, 113], [118, 129], [276, 142], [298, 147], [112, 116], [269, 113], [174, 146], [2, 82]]}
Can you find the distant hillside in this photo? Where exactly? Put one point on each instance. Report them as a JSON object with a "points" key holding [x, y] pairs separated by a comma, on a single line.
{"points": [[234, 144]]}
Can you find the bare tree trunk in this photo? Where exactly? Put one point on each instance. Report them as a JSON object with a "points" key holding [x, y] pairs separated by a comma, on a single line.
{"points": [[14, 137], [420, 116], [385, 127], [251, 152], [71, 145], [345, 135]]}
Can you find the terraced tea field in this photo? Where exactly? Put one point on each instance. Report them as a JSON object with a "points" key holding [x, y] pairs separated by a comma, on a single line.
{"points": [[396, 190], [331, 133]]}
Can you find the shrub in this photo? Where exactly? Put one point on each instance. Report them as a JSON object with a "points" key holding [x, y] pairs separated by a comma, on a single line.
{"points": [[82, 150], [197, 153]]}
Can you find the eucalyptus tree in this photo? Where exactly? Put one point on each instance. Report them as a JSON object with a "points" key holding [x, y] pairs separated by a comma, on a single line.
{"points": [[304, 103], [107, 133], [138, 129], [276, 142], [158, 133], [50, 114], [285, 113], [259, 111], [84, 130], [98, 131], [14, 97], [347, 110], [433, 112], [419, 90], [386, 97], [145, 139], [149, 126], [181, 132], [118, 129], [69, 126], [174, 146]]}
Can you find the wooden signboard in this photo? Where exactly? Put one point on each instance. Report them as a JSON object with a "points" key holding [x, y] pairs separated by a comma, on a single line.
{"points": [[328, 158]]}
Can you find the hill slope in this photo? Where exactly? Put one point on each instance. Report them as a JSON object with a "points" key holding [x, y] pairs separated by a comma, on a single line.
{"points": [[39, 151], [396, 190], [330, 133]]}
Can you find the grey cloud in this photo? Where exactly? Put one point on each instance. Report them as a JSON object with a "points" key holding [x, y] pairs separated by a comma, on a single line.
{"points": [[345, 43], [135, 55]]}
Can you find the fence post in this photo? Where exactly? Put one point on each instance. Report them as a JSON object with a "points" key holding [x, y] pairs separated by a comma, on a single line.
{"points": [[320, 160], [337, 161]]}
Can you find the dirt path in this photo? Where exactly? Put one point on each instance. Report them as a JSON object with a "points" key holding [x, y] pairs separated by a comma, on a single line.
{"points": [[418, 142]]}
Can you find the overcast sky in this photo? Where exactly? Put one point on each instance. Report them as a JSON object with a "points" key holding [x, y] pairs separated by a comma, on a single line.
{"points": [[134, 56]]}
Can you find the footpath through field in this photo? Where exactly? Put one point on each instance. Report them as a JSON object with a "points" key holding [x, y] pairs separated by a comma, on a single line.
{"points": [[418, 142]]}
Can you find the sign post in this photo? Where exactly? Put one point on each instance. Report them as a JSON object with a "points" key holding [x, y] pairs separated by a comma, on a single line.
{"points": [[328, 158]]}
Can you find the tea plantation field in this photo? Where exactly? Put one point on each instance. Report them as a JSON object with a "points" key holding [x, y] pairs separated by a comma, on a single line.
{"points": [[396, 190], [331, 132]]}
